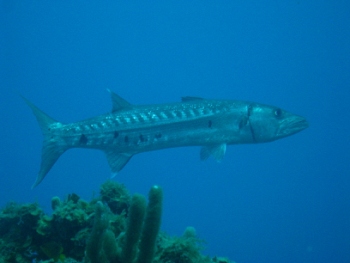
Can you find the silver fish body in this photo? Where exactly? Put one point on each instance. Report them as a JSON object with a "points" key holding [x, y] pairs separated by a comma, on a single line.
{"points": [[131, 129]]}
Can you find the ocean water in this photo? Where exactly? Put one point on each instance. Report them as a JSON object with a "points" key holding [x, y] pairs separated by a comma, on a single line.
{"points": [[284, 201]]}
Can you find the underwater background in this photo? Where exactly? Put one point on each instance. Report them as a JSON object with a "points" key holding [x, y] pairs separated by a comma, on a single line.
{"points": [[285, 201]]}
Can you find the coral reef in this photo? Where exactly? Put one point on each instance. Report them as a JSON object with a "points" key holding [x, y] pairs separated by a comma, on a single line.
{"points": [[101, 246], [112, 228], [134, 228], [138, 243], [151, 225], [115, 195]]}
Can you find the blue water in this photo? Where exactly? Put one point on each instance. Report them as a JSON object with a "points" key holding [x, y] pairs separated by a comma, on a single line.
{"points": [[285, 201]]}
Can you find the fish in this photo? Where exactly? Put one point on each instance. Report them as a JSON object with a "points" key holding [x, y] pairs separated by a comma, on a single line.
{"points": [[131, 129]]}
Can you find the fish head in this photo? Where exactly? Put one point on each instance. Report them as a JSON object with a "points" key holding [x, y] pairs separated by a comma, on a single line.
{"points": [[269, 123]]}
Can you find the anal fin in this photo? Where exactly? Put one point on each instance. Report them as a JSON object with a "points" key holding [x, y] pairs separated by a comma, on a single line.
{"points": [[217, 151], [117, 160]]}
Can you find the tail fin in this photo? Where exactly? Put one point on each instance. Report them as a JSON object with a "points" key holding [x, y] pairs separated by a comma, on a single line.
{"points": [[52, 145]]}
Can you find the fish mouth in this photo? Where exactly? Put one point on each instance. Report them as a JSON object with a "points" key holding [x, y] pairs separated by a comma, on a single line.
{"points": [[292, 125]]}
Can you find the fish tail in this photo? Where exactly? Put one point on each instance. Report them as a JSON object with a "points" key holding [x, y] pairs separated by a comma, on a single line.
{"points": [[53, 145]]}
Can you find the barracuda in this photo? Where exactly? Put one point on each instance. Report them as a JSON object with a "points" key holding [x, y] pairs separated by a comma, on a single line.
{"points": [[131, 129]]}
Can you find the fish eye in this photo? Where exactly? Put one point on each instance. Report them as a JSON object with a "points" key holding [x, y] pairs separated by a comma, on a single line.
{"points": [[278, 113]]}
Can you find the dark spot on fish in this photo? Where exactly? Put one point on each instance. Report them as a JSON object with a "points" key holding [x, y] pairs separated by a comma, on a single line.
{"points": [[210, 123], [158, 136], [126, 139], [83, 139], [178, 114], [142, 138], [116, 134]]}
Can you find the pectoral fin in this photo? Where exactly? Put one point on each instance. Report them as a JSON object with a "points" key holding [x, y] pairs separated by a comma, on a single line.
{"points": [[117, 161], [217, 151]]}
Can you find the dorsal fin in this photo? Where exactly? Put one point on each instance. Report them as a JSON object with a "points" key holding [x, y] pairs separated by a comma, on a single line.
{"points": [[118, 102], [190, 98]]}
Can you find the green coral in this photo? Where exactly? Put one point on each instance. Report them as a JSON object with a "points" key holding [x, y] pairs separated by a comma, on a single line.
{"points": [[17, 230], [134, 227], [65, 225], [111, 228], [184, 249], [101, 246], [151, 225], [143, 222], [115, 195], [53, 250]]}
